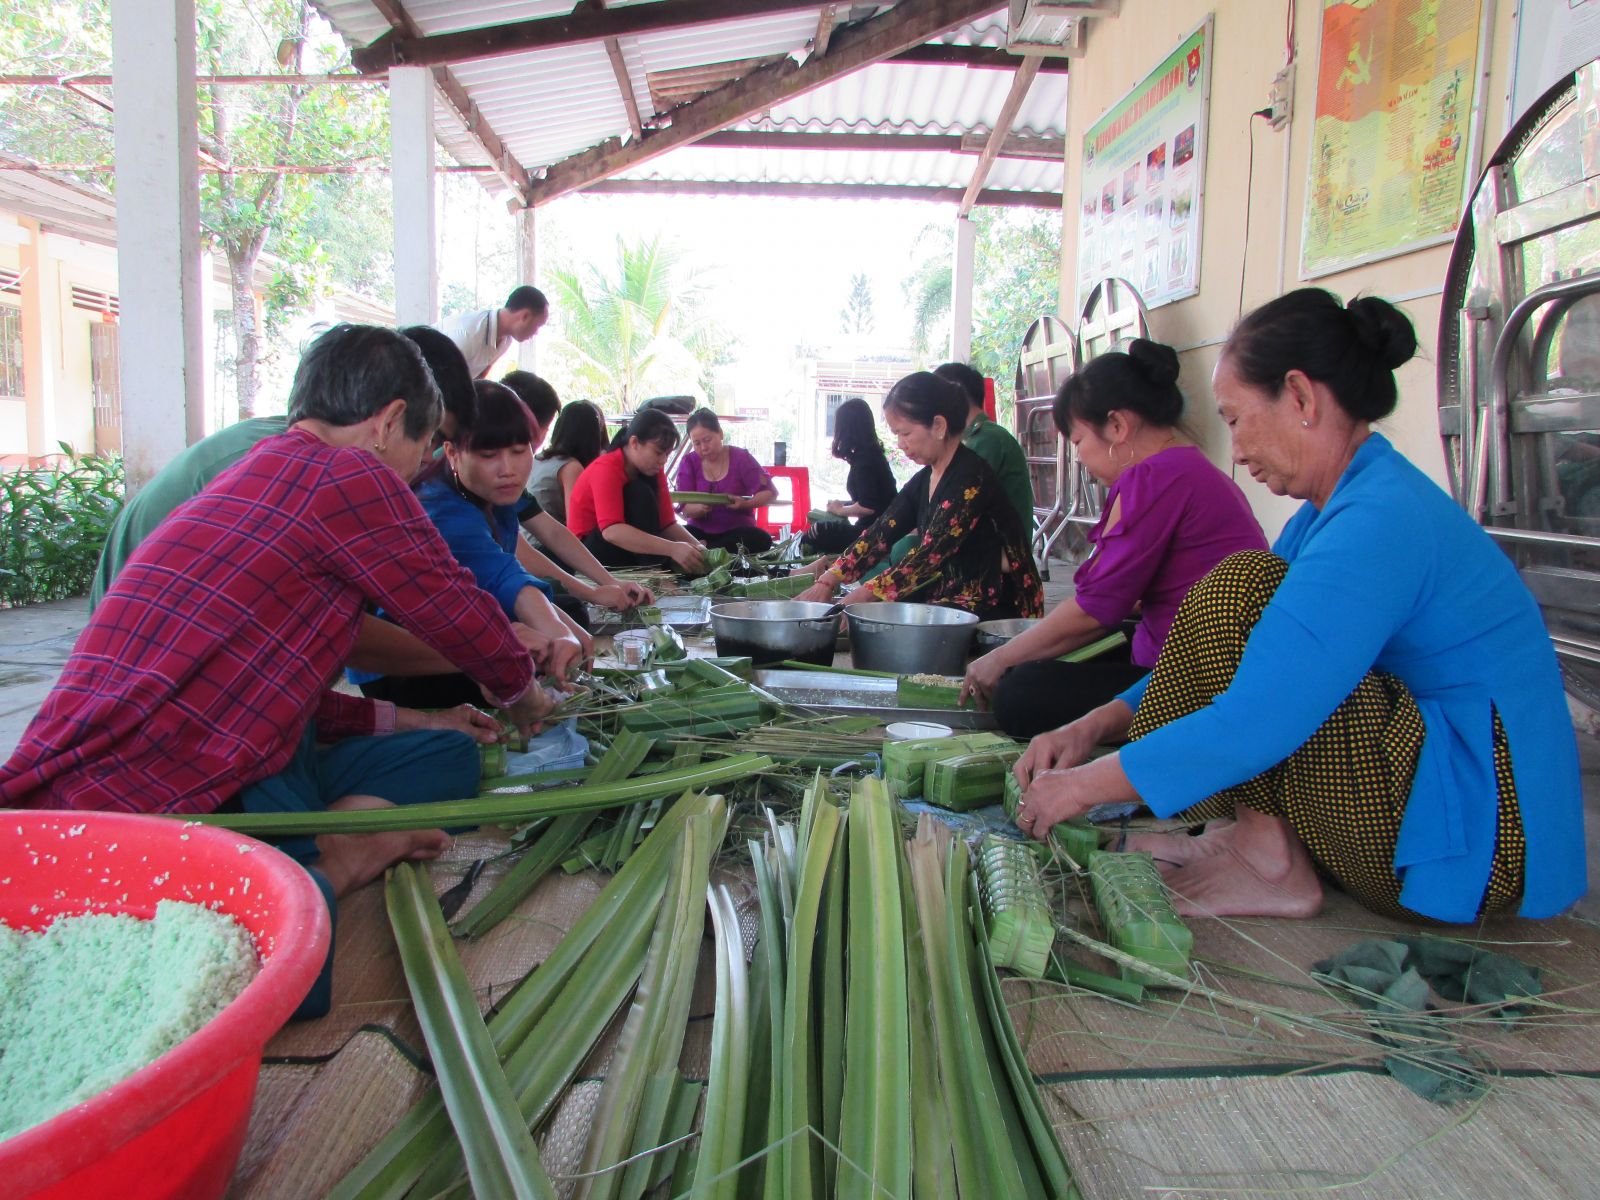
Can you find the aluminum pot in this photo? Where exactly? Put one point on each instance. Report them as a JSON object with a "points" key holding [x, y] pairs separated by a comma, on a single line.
{"points": [[993, 634], [770, 631], [910, 639]]}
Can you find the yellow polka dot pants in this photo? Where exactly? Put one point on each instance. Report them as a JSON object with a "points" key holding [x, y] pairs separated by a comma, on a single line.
{"points": [[1344, 791]]}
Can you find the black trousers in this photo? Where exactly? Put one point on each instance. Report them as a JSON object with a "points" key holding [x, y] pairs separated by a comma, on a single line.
{"points": [[833, 536], [1035, 697], [641, 509]]}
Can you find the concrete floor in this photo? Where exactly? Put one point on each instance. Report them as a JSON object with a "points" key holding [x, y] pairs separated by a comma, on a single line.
{"points": [[35, 642]]}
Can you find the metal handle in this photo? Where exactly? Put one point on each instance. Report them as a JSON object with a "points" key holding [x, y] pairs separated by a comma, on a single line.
{"points": [[866, 626]]}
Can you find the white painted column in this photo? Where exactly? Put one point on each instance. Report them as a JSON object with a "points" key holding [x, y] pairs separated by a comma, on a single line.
{"points": [[158, 232], [41, 341], [527, 262], [416, 253], [961, 291], [212, 297]]}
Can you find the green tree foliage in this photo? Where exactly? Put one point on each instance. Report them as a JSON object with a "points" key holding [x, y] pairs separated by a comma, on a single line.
{"points": [[1017, 272], [856, 316], [242, 213], [634, 331]]}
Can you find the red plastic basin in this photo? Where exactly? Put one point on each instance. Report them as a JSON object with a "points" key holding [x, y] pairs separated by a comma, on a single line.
{"points": [[176, 1126]]}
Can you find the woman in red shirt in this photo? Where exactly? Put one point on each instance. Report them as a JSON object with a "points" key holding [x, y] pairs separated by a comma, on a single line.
{"points": [[621, 508]]}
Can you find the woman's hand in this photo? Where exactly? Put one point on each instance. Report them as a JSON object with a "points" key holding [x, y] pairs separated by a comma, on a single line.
{"points": [[859, 595], [1055, 796], [463, 718], [695, 512], [637, 593], [535, 643], [983, 676], [1057, 750], [529, 712], [689, 556], [566, 653], [836, 508], [613, 596], [820, 592]]}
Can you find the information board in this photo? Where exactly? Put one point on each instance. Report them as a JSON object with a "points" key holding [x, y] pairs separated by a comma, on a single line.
{"points": [[1396, 98], [1142, 174]]}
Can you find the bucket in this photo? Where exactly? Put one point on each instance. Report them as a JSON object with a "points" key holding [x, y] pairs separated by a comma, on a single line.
{"points": [[910, 639], [175, 1127]]}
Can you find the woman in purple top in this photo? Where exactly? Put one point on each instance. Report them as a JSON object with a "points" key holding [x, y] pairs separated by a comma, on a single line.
{"points": [[711, 465], [1169, 518]]}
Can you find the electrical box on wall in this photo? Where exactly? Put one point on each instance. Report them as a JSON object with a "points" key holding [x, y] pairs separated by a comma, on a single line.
{"points": [[1280, 97]]}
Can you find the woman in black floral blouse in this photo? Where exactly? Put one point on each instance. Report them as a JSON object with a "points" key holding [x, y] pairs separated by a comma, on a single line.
{"points": [[971, 551]]}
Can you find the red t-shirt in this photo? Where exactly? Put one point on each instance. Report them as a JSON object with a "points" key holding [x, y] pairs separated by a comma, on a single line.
{"points": [[597, 496]]}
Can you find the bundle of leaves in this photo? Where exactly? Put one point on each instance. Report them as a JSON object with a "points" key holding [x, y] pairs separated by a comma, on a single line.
{"points": [[53, 523]]}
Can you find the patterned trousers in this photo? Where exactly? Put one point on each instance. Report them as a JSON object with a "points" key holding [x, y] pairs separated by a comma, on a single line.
{"points": [[1344, 791]]}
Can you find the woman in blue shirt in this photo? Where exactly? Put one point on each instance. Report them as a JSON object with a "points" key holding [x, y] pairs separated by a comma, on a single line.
{"points": [[474, 503], [1376, 699]]}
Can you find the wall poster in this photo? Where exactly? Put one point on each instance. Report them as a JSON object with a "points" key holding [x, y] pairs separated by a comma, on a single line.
{"points": [[1553, 39], [1390, 149], [1142, 174]]}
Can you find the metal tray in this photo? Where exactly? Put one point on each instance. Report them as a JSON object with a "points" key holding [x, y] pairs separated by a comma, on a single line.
{"points": [[833, 693], [686, 612]]}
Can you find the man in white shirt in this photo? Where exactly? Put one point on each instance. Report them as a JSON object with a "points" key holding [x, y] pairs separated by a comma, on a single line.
{"points": [[483, 336]]}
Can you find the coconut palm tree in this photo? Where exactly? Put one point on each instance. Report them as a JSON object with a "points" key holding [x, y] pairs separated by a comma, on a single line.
{"points": [[635, 331]]}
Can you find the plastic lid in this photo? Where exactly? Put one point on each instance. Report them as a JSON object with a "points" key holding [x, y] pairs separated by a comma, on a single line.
{"points": [[910, 731]]}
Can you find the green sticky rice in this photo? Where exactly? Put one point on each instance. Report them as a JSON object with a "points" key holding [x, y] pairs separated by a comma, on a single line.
{"points": [[90, 999]]}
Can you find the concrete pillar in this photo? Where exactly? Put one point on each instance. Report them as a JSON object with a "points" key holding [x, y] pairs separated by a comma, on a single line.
{"points": [[527, 261], [41, 340], [961, 291], [158, 231], [211, 298], [416, 253]]}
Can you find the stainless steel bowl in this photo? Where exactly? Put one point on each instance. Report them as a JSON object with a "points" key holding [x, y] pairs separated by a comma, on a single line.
{"points": [[910, 639], [992, 634], [770, 631]]}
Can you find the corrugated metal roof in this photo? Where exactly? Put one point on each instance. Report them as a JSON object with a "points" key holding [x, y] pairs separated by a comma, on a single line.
{"points": [[549, 105]]}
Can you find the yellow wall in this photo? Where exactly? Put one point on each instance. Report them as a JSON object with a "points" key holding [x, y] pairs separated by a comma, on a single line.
{"points": [[1247, 51]]}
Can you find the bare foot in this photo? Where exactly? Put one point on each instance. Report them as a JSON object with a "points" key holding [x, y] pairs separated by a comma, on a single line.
{"points": [[1255, 868], [352, 859], [1174, 850]]}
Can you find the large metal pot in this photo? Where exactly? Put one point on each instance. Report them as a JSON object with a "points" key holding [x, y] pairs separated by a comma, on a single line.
{"points": [[993, 634], [910, 639], [770, 631]]}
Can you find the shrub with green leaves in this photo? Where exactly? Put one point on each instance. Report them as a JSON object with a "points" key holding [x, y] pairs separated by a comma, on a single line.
{"points": [[53, 522]]}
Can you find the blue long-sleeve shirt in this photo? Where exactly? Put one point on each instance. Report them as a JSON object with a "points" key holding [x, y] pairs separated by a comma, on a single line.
{"points": [[486, 547], [489, 552], [1393, 575]]}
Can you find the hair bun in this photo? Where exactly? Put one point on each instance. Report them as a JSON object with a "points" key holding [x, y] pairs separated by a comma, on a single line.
{"points": [[1383, 329], [1156, 362]]}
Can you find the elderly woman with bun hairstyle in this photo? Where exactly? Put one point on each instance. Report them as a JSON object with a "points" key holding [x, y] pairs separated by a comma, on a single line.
{"points": [[1170, 517], [1377, 700], [970, 551]]}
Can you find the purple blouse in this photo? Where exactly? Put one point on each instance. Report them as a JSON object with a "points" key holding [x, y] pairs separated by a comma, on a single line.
{"points": [[745, 477], [1180, 517]]}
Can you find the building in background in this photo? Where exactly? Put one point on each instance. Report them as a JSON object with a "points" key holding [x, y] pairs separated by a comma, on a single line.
{"points": [[59, 315]]}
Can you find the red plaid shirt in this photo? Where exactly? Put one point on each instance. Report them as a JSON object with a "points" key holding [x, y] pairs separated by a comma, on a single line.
{"points": [[218, 640]]}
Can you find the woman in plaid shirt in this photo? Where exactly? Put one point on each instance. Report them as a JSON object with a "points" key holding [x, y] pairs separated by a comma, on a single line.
{"points": [[202, 680]]}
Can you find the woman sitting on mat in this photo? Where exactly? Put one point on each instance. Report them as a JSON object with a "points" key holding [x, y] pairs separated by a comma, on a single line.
{"points": [[474, 504], [1378, 699], [970, 550], [578, 438], [201, 680], [711, 465], [870, 483], [621, 509], [1169, 517]]}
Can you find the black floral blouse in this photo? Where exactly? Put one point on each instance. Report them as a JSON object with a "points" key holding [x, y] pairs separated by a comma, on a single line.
{"points": [[970, 552]]}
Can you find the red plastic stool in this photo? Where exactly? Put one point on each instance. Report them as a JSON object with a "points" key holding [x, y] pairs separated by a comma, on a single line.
{"points": [[793, 505]]}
